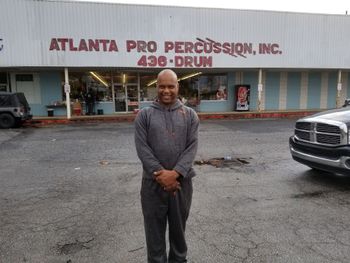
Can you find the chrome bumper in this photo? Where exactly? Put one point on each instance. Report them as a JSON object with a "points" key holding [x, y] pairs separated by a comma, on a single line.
{"points": [[343, 162]]}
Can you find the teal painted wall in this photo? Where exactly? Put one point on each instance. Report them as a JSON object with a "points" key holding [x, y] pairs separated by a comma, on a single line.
{"points": [[107, 107], [251, 78], [50, 88], [332, 89], [293, 90], [231, 79], [272, 90], [314, 90]]}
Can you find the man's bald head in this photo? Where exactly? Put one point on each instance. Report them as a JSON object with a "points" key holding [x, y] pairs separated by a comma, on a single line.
{"points": [[168, 87], [167, 72]]}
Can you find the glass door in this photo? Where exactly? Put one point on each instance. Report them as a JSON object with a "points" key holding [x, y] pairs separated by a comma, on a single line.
{"points": [[132, 97], [126, 92], [120, 98]]}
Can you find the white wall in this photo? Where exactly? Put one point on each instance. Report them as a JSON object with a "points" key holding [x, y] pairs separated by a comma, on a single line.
{"points": [[27, 28]]}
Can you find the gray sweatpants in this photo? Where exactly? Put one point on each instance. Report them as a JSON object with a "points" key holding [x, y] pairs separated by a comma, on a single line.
{"points": [[159, 208]]}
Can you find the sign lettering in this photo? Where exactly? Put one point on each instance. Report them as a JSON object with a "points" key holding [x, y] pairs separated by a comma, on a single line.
{"points": [[200, 53]]}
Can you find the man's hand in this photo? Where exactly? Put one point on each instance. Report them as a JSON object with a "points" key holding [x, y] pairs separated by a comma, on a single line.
{"points": [[167, 179]]}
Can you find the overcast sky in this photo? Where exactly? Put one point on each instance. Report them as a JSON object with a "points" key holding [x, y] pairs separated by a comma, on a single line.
{"points": [[309, 6]]}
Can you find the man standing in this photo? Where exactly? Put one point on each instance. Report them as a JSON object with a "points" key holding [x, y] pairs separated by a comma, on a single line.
{"points": [[90, 102], [166, 138]]}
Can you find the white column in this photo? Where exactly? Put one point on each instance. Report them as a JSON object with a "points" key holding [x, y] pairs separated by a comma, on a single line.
{"points": [[260, 89], [113, 92], [67, 91], [344, 93], [339, 88]]}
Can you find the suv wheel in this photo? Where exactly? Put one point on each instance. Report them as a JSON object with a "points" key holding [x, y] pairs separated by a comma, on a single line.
{"points": [[7, 121]]}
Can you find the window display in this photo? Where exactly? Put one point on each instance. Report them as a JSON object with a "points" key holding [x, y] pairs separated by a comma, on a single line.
{"points": [[193, 87], [98, 83], [213, 87]]}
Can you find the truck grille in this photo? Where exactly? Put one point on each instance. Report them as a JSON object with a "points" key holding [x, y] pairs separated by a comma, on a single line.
{"points": [[326, 128], [319, 133], [303, 135]]}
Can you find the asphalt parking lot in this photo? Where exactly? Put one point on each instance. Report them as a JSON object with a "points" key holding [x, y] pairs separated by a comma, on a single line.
{"points": [[70, 193]]}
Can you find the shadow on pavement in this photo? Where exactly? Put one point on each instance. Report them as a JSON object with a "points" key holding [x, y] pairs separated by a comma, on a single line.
{"points": [[325, 179]]}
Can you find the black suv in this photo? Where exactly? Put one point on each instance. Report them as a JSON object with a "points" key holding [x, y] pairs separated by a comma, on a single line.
{"points": [[14, 109]]}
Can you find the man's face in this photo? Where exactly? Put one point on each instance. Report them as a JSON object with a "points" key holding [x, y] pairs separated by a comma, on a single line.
{"points": [[168, 88]]}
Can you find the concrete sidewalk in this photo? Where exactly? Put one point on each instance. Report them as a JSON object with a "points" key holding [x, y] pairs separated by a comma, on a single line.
{"points": [[129, 117]]}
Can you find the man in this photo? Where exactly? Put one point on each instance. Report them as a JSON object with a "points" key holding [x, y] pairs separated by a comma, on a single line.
{"points": [[90, 102], [166, 138]]}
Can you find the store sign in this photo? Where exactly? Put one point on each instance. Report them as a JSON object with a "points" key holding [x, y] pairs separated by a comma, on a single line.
{"points": [[90, 45], [200, 53], [1, 44], [66, 88]]}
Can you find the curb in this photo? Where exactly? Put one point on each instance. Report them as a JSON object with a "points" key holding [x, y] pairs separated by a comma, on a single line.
{"points": [[48, 121]]}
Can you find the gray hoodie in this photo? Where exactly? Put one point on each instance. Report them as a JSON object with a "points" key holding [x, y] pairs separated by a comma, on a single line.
{"points": [[167, 138]]}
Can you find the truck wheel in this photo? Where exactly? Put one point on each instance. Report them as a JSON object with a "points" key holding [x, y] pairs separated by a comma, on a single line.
{"points": [[7, 121]]}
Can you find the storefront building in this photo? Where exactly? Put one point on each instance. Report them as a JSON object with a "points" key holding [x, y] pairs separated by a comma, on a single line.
{"points": [[103, 58]]}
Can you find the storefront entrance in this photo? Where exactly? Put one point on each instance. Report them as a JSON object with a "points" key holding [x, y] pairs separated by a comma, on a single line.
{"points": [[126, 97]]}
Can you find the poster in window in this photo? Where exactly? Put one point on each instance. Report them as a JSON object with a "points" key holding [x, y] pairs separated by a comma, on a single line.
{"points": [[242, 95]]}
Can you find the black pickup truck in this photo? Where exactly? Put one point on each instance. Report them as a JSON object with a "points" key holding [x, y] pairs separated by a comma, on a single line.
{"points": [[322, 141]]}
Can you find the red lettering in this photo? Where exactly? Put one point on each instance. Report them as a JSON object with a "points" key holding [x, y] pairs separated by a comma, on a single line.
{"points": [[168, 46], [264, 48], [54, 44], [141, 46], [179, 47], [198, 47], [104, 43], [71, 45], [94, 44], [142, 61], [188, 62], [217, 47], [130, 44], [274, 48], [179, 61], [208, 47], [226, 48], [152, 46], [113, 46], [188, 47], [82, 45], [63, 42], [207, 62]]}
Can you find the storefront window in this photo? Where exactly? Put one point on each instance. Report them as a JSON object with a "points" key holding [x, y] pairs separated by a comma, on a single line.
{"points": [[3, 81], [148, 88], [213, 87], [98, 83], [193, 87]]}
